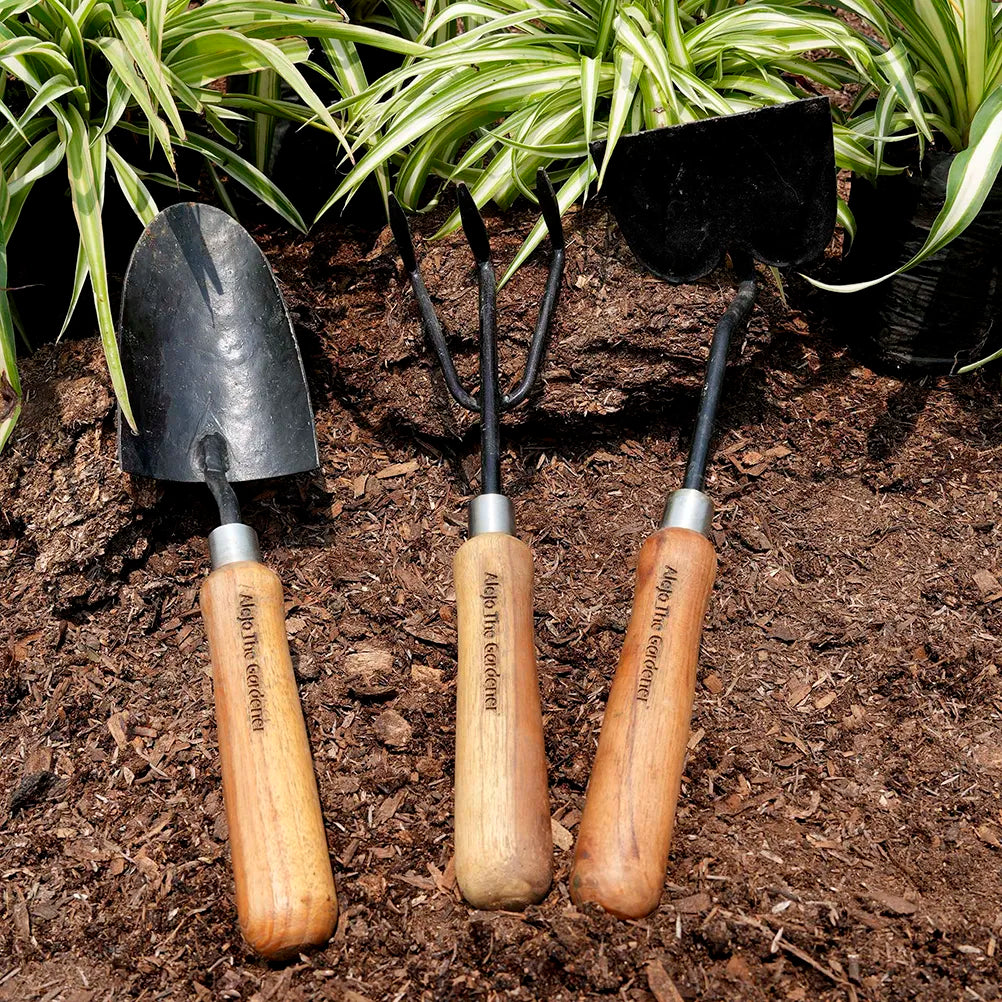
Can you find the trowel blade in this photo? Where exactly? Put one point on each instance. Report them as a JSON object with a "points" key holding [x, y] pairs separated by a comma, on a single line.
{"points": [[761, 181], [207, 346]]}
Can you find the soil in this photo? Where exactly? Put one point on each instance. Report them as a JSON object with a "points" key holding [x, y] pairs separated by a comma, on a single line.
{"points": [[839, 834]]}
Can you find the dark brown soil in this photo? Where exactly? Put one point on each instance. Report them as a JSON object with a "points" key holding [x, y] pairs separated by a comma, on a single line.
{"points": [[840, 827]]}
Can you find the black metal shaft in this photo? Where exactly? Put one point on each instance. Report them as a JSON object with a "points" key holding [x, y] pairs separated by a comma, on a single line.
{"points": [[214, 465], [737, 311], [490, 393]]}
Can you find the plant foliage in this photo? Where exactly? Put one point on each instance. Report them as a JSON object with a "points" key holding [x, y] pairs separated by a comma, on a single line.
{"points": [[79, 75], [937, 75], [508, 86]]}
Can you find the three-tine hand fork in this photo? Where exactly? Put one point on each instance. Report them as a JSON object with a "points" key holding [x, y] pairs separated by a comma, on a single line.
{"points": [[504, 845]]}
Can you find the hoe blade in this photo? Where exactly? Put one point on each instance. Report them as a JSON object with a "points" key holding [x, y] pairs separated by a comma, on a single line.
{"points": [[762, 182], [208, 348]]}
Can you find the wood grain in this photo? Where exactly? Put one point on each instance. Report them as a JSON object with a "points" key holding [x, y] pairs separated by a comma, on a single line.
{"points": [[504, 845], [625, 831], [285, 888]]}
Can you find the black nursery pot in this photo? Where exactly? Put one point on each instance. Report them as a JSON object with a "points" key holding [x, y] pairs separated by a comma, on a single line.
{"points": [[947, 311]]}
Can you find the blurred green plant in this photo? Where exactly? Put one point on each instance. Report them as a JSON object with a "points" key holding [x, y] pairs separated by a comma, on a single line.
{"points": [[508, 86], [80, 75]]}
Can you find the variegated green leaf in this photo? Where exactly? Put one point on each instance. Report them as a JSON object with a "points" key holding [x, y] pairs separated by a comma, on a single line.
{"points": [[137, 43], [85, 196], [246, 174], [270, 56], [628, 70], [972, 176], [10, 383], [118, 56], [156, 19], [591, 74], [136, 193]]}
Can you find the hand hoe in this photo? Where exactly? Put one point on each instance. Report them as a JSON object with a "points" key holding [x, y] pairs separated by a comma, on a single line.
{"points": [[757, 185], [504, 845], [220, 396]]}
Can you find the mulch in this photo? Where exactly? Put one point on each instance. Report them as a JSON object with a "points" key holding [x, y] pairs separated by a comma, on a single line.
{"points": [[839, 834]]}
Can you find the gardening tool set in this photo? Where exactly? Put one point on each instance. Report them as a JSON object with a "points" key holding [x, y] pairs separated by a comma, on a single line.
{"points": [[220, 397]]}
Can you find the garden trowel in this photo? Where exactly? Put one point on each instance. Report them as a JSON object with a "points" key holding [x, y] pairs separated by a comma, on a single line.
{"points": [[219, 395], [755, 185]]}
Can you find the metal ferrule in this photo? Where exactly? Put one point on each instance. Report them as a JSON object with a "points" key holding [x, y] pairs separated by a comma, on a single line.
{"points": [[688, 509], [231, 543], [491, 513]]}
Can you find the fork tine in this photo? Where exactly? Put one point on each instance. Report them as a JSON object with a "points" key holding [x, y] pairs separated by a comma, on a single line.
{"points": [[551, 209], [429, 318], [541, 335], [473, 225], [402, 234]]}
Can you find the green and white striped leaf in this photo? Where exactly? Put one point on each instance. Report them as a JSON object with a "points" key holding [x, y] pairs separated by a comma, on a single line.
{"points": [[10, 383], [85, 188], [972, 176], [118, 56], [246, 174], [156, 19], [627, 69], [899, 72], [591, 75], [137, 43], [136, 193]]}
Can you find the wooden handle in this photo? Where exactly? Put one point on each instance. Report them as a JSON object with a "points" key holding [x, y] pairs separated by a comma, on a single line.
{"points": [[285, 888], [622, 849], [504, 844]]}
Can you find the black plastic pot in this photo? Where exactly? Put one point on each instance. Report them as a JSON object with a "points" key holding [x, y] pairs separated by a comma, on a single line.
{"points": [[947, 311], [309, 164]]}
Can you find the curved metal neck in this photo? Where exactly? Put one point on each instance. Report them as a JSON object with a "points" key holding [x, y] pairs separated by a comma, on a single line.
{"points": [[214, 466], [739, 308]]}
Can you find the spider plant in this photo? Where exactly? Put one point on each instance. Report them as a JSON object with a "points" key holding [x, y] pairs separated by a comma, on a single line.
{"points": [[79, 75], [508, 86], [938, 77]]}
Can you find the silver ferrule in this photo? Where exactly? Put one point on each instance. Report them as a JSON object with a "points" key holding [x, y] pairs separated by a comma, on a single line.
{"points": [[233, 542], [491, 513], [688, 509]]}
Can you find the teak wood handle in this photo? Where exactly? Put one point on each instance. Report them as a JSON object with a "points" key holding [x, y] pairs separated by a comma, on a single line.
{"points": [[625, 831], [504, 843], [282, 870]]}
